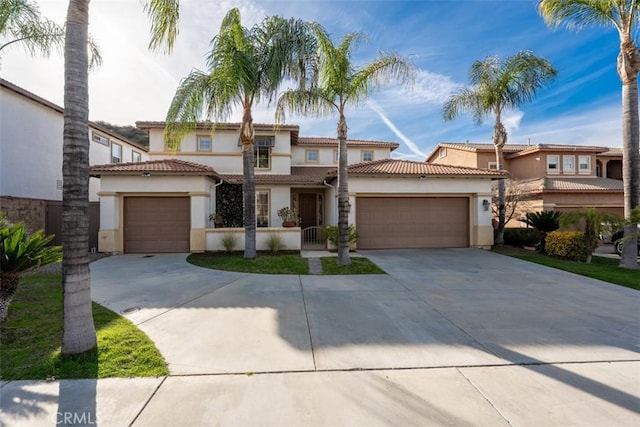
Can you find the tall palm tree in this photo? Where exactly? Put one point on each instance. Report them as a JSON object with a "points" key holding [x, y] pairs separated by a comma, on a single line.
{"points": [[338, 83], [622, 15], [497, 85], [78, 328], [245, 65]]}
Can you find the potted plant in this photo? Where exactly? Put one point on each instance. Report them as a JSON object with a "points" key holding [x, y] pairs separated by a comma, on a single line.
{"points": [[217, 219], [288, 216]]}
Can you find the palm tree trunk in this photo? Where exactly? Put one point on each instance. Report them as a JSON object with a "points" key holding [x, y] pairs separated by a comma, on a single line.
{"points": [[8, 285], [79, 333], [343, 194], [630, 168], [247, 135], [499, 140]]}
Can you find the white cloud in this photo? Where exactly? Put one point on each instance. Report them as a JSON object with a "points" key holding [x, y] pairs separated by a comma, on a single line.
{"points": [[430, 88]]}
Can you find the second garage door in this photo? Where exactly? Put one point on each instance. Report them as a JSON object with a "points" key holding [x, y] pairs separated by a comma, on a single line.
{"points": [[157, 224], [412, 222]]}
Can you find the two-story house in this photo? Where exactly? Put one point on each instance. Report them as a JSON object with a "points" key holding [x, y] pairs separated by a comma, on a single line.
{"points": [[166, 204], [31, 131], [555, 177]]}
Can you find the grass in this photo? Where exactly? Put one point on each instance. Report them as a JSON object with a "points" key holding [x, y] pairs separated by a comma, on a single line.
{"points": [[32, 334], [265, 263], [358, 266], [605, 269]]}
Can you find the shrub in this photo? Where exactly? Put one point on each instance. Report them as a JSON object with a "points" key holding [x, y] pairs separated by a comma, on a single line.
{"points": [[332, 234], [568, 244], [229, 241], [520, 237], [274, 242]]}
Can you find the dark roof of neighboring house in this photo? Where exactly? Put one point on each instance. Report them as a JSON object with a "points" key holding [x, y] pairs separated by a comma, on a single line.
{"points": [[611, 152], [583, 185], [35, 98], [407, 167], [154, 167], [323, 142], [309, 175]]}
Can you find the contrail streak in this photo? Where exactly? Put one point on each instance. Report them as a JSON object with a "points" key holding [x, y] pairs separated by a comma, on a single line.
{"points": [[409, 143]]}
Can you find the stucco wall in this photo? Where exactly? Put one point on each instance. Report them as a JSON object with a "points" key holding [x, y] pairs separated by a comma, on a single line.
{"points": [[290, 238], [327, 155]]}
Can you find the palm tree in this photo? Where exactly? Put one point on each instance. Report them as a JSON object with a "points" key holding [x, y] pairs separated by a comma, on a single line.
{"points": [[338, 83], [20, 252], [623, 15], [593, 221], [78, 329], [544, 222], [498, 85], [244, 66]]}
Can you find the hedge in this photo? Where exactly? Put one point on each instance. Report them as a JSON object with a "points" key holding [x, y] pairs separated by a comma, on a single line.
{"points": [[567, 244]]}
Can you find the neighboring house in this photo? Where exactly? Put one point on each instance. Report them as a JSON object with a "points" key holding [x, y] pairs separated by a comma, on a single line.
{"points": [[31, 160], [554, 177], [166, 204]]}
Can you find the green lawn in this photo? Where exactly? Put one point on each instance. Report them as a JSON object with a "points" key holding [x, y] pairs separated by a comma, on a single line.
{"points": [[606, 269], [265, 263], [358, 266], [31, 337]]}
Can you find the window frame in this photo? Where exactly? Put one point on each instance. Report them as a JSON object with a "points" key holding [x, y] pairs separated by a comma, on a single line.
{"points": [[100, 138], [492, 166], [260, 191], [442, 152], [201, 137], [556, 169], [336, 156], [256, 157], [114, 144], [586, 171], [133, 155], [572, 169], [364, 152], [311, 151]]}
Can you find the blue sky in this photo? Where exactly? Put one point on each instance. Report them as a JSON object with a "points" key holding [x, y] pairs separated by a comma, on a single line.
{"points": [[441, 37]]}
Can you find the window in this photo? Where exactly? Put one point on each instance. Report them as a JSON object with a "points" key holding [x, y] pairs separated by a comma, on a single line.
{"points": [[584, 164], [442, 152], [204, 143], [492, 165], [262, 151], [552, 164], [262, 208], [116, 153], [336, 156], [135, 157], [99, 138], [367, 156], [568, 164], [312, 156]]}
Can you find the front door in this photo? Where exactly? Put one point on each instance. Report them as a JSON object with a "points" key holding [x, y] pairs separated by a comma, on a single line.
{"points": [[307, 209]]}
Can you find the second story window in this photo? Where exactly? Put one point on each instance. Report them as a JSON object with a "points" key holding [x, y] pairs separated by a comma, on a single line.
{"points": [[336, 156], [367, 156], [99, 138], [204, 143], [312, 156], [262, 151], [568, 164], [116, 153], [584, 164], [442, 152], [135, 157], [492, 165], [553, 163]]}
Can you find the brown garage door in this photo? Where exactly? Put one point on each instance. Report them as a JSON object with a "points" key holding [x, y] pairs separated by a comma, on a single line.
{"points": [[156, 224], [412, 222]]}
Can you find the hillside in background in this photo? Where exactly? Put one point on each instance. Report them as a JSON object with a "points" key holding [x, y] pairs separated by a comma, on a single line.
{"points": [[130, 132]]}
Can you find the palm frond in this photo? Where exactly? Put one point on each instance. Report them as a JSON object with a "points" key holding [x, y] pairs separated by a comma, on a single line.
{"points": [[577, 14], [164, 16], [310, 101], [383, 70], [466, 100]]}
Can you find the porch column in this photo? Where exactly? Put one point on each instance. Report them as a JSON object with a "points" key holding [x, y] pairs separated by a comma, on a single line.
{"points": [[604, 162], [199, 220]]}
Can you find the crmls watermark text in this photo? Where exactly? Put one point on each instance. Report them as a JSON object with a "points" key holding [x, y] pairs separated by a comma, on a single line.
{"points": [[76, 418]]}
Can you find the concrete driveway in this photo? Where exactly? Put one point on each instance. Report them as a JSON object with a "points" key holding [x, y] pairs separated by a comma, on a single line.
{"points": [[447, 337]]}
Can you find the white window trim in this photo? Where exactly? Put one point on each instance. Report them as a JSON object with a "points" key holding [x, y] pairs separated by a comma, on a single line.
{"points": [[336, 156], [442, 152], [557, 169], [566, 170], [492, 165], [121, 152], [99, 138], [256, 149], [268, 192], [586, 171], [133, 155], [362, 153], [306, 156], [198, 138]]}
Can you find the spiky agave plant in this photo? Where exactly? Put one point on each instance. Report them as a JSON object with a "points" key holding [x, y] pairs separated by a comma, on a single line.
{"points": [[20, 252]]}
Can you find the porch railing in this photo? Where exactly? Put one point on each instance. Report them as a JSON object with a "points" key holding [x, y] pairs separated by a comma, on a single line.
{"points": [[314, 238]]}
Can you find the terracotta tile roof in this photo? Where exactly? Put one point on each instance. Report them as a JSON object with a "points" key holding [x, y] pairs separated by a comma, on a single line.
{"points": [[302, 175], [157, 167], [508, 148], [321, 141], [218, 125], [555, 147], [407, 167], [514, 150], [611, 152], [562, 184]]}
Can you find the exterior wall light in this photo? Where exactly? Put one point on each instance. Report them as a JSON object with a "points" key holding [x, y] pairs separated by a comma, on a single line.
{"points": [[485, 205], [146, 174]]}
